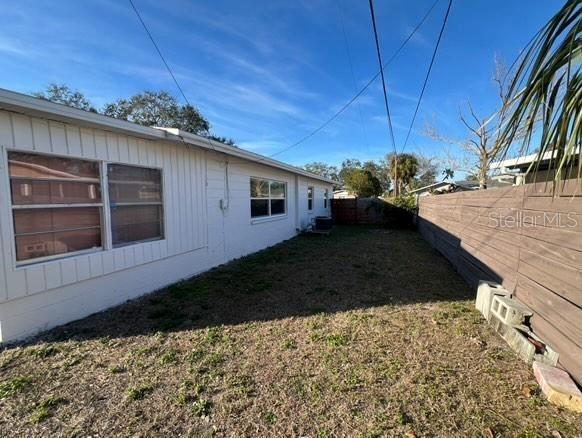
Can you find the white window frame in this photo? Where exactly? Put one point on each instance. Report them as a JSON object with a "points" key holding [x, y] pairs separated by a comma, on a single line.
{"points": [[104, 209], [268, 199], [310, 197]]}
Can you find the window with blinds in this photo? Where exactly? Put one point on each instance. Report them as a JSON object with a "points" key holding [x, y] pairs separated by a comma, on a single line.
{"points": [[135, 199], [56, 205]]}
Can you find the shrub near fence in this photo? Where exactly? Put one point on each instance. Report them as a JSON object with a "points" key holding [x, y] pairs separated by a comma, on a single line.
{"points": [[525, 239]]}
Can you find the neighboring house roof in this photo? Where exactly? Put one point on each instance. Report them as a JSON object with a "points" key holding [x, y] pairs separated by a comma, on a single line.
{"points": [[523, 163], [433, 186], [491, 184], [450, 186], [35, 107]]}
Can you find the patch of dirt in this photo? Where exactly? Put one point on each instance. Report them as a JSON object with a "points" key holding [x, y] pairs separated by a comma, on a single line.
{"points": [[362, 333]]}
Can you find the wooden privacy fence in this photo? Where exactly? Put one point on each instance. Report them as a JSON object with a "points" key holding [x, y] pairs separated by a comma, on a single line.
{"points": [[525, 239], [353, 211]]}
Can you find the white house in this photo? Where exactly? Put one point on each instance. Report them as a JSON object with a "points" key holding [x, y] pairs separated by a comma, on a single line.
{"points": [[95, 211]]}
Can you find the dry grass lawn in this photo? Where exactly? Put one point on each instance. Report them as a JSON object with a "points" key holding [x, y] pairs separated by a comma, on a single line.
{"points": [[364, 333]]}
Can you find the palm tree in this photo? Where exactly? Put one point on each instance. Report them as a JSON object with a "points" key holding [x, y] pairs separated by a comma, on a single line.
{"points": [[403, 169], [547, 87]]}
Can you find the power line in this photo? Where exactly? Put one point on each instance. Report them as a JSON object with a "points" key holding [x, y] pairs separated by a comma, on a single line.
{"points": [[427, 73], [159, 52], [371, 2], [167, 66], [364, 88]]}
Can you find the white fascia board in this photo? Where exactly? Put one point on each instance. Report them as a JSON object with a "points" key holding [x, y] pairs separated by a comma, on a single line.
{"points": [[527, 159], [216, 146]]}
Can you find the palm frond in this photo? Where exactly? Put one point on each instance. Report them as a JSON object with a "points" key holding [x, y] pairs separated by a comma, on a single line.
{"points": [[547, 87]]}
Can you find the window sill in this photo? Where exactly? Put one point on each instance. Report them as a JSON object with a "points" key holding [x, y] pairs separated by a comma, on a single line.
{"points": [[260, 220], [136, 242], [56, 258]]}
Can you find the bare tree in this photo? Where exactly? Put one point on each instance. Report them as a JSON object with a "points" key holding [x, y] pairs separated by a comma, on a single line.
{"points": [[483, 143]]}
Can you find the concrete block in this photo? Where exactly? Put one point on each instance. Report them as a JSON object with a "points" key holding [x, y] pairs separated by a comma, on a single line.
{"points": [[524, 342], [558, 386], [485, 293], [510, 312]]}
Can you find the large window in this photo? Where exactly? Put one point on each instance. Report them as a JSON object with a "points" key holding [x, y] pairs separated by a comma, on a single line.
{"points": [[135, 198], [56, 205], [310, 198], [267, 197]]}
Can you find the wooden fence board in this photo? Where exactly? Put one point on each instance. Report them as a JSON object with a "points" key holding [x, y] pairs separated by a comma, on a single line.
{"points": [[525, 239]]}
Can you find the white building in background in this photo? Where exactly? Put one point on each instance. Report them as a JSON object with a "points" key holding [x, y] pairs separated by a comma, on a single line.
{"points": [[95, 211]]}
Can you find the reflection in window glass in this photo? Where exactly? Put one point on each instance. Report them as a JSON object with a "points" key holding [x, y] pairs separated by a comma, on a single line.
{"points": [[40, 179], [309, 198], [259, 188], [267, 197], [56, 205]]}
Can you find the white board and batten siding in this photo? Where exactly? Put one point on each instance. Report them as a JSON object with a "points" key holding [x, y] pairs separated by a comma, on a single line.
{"points": [[198, 233]]}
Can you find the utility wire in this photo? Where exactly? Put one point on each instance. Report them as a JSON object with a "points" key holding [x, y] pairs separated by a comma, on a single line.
{"points": [[427, 73], [364, 88], [159, 51], [371, 2], [167, 66]]}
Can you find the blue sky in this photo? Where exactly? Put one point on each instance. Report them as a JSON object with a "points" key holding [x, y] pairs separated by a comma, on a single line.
{"points": [[267, 73]]}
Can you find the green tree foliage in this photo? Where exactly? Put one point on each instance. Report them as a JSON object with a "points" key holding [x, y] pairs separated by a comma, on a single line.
{"points": [[63, 94], [323, 169], [348, 166], [225, 140], [448, 173], [363, 183], [158, 108], [403, 168], [150, 108], [380, 171]]}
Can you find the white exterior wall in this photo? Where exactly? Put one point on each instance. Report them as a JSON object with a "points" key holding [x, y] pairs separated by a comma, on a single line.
{"points": [[319, 187], [198, 233]]}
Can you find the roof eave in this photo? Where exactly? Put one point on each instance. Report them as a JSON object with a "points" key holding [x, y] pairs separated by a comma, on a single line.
{"points": [[206, 143], [35, 107]]}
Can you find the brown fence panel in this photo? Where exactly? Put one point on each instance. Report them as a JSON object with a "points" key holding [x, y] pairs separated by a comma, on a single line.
{"points": [[526, 239], [356, 211]]}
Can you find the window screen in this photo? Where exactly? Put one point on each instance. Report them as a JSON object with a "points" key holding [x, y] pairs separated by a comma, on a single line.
{"points": [[135, 198], [56, 205]]}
